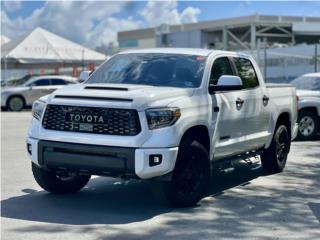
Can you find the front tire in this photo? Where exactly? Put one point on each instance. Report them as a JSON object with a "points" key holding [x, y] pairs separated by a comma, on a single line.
{"points": [[274, 158], [52, 182], [191, 176], [308, 125], [15, 104]]}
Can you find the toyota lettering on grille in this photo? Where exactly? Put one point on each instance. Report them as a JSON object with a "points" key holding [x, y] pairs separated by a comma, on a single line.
{"points": [[84, 118]]}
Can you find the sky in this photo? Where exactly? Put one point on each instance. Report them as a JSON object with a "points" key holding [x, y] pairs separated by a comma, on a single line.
{"points": [[96, 23]]}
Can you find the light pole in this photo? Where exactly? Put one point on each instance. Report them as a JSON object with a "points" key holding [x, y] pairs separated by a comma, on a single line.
{"points": [[316, 57], [82, 54]]}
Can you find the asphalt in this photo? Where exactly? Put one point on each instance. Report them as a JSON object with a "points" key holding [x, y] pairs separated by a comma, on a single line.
{"points": [[241, 204]]}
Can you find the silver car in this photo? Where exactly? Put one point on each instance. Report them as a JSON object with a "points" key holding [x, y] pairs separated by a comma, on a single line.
{"points": [[308, 91], [15, 98]]}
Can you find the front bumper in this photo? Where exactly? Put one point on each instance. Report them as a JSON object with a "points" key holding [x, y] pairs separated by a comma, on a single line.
{"points": [[101, 160], [4, 98]]}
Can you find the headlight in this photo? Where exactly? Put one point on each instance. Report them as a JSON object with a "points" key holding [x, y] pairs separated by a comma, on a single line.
{"points": [[162, 117], [38, 108]]}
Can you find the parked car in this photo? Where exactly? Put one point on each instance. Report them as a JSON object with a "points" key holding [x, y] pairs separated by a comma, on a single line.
{"points": [[22, 95], [17, 81], [164, 114], [308, 92]]}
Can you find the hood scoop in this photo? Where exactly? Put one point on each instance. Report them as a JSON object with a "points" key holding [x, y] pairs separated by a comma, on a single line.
{"points": [[94, 98], [106, 88]]}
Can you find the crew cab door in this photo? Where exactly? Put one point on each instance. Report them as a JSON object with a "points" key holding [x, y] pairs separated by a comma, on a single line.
{"points": [[230, 115], [255, 106], [241, 122]]}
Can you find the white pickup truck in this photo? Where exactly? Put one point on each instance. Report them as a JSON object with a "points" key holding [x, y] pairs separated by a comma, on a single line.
{"points": [[163, 114]]}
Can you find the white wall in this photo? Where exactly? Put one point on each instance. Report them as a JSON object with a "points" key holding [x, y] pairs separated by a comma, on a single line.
{"points": [[147, 43]]}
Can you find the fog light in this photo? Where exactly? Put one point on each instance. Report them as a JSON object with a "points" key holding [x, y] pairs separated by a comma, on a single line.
{"points": [[29, 148], [155, 160]]}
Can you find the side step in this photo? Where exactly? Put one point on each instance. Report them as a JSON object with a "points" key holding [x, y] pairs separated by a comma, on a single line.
{"points": [[227, 164]]}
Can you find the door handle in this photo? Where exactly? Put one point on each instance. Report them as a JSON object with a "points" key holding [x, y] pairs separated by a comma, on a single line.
{"points": [[265, 100], [239, 103]]}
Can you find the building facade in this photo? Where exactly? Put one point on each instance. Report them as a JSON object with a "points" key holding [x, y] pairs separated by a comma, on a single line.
{"points": [[242, 33]]}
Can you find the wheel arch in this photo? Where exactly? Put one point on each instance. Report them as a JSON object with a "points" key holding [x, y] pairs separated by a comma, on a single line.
{"points": [[200, 133], [309, 108], [285, 119]]}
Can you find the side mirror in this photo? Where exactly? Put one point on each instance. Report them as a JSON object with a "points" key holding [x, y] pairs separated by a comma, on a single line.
{"points": [[226, 83], [84, 75]]}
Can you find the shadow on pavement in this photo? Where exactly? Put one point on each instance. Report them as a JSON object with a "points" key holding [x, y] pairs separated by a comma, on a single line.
{"points": [[108, 201], [315, 208]]}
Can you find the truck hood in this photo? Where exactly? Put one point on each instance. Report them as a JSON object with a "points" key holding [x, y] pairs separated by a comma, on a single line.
{"points": [[133, 96]]}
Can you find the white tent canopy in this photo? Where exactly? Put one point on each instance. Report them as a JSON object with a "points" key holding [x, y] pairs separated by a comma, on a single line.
{"points": [[4, 40], [43, 47]]}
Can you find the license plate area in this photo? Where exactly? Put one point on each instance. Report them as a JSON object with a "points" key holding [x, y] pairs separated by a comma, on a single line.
{"points": [[85, 127], [84, 122]]}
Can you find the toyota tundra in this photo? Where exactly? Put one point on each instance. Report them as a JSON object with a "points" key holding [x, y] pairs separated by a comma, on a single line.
{"points": [[162, 114]]}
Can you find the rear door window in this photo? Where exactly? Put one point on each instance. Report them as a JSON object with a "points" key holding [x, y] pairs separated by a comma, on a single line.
{"points": [[41, 82], [246, 72], [58, 82]]}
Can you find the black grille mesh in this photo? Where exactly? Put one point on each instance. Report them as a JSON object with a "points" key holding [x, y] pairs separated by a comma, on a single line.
{"points": [[116, 121]]}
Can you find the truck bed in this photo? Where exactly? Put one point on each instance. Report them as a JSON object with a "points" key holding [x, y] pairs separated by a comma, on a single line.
{"points": [[283, 99]]}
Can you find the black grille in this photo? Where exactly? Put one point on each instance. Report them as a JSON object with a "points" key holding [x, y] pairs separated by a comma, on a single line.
{"points": [[111, 121]]}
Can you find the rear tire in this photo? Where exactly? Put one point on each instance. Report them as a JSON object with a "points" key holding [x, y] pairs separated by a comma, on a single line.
{"points": [[274, 158], [55, 183], [308, 125], [15, 104], [191, 176]]}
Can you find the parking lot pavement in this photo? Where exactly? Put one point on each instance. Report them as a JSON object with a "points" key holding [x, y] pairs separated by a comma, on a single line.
{"points": [[244, 203]]}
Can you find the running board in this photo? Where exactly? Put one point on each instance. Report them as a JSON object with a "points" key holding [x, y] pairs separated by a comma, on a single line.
{"points": [[239, 157]]}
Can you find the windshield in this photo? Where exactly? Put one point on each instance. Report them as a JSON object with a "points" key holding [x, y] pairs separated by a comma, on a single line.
{"points": [[307, 83], [17, 82], [167, 70]]}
